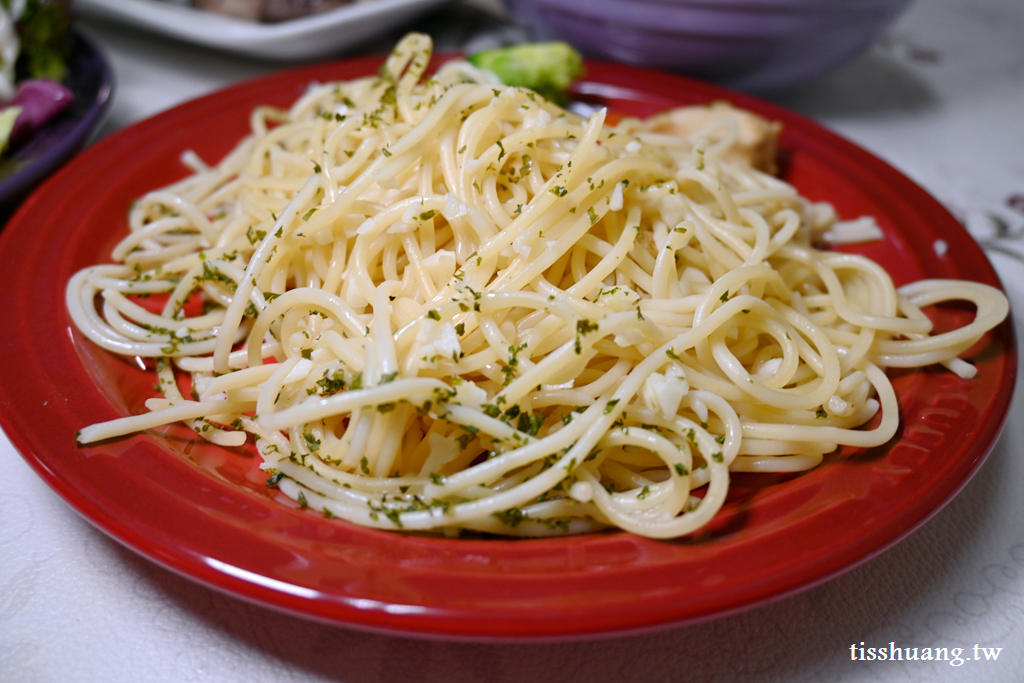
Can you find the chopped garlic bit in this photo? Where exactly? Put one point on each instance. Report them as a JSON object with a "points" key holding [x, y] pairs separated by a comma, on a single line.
{"points": [[619, 298], [581, 491], [437, 339], [536, 117], [468, 394], [663, 392], [454, 207]]}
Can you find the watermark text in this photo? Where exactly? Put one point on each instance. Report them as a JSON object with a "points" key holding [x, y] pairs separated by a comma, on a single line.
{"points": [[956, 656]]}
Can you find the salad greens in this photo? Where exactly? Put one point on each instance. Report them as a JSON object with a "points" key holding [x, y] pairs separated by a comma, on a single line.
{"points": [[41, 33], [44, 30], [34, 49]]}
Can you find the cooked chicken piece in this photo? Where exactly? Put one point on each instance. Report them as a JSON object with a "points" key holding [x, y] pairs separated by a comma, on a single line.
{"points": [[755, 141]]}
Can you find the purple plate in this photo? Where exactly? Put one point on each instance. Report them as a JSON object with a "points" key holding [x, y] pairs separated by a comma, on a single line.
{"points": [[90, 79], [757, 46]]}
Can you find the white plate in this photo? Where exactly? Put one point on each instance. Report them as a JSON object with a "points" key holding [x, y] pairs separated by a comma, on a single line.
{"points": [[310, 37]]}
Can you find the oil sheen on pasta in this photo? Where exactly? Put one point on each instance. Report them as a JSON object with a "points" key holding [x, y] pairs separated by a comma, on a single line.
{"points": [[443, 304]]}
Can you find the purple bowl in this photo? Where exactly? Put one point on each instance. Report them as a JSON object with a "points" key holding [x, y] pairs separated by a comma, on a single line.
{"points": [[752, 45], [89, 78]]}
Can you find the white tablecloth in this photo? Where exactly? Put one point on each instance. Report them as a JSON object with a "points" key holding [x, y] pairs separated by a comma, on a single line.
{"points": [[941, 97]]}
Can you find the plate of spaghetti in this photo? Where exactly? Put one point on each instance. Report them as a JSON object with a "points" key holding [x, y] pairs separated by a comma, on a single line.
{"points": [[402, 348]]}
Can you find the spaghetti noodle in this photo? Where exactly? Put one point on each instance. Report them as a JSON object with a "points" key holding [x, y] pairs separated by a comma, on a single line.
{"points": [[442, 303]]}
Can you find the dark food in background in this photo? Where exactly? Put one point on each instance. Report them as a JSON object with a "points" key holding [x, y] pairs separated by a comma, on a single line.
{"points": [[268, 10]]}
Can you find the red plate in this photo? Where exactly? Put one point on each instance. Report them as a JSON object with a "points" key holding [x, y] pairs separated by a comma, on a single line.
{"points": [[205, 512]]}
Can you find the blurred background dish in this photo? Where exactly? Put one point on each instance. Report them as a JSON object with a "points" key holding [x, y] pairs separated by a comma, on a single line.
{"points": [[753, 45], [90, 81], [314, 36]]}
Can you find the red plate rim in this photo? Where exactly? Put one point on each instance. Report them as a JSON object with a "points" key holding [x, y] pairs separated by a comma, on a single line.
{"points": [[775, 540]]}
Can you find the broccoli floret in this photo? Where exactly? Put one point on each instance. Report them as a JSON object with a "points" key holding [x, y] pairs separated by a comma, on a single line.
{"points": [[546, 68]]}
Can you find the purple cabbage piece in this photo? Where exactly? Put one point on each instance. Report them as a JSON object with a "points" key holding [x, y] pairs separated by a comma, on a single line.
{"points": [[41, 101]]}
